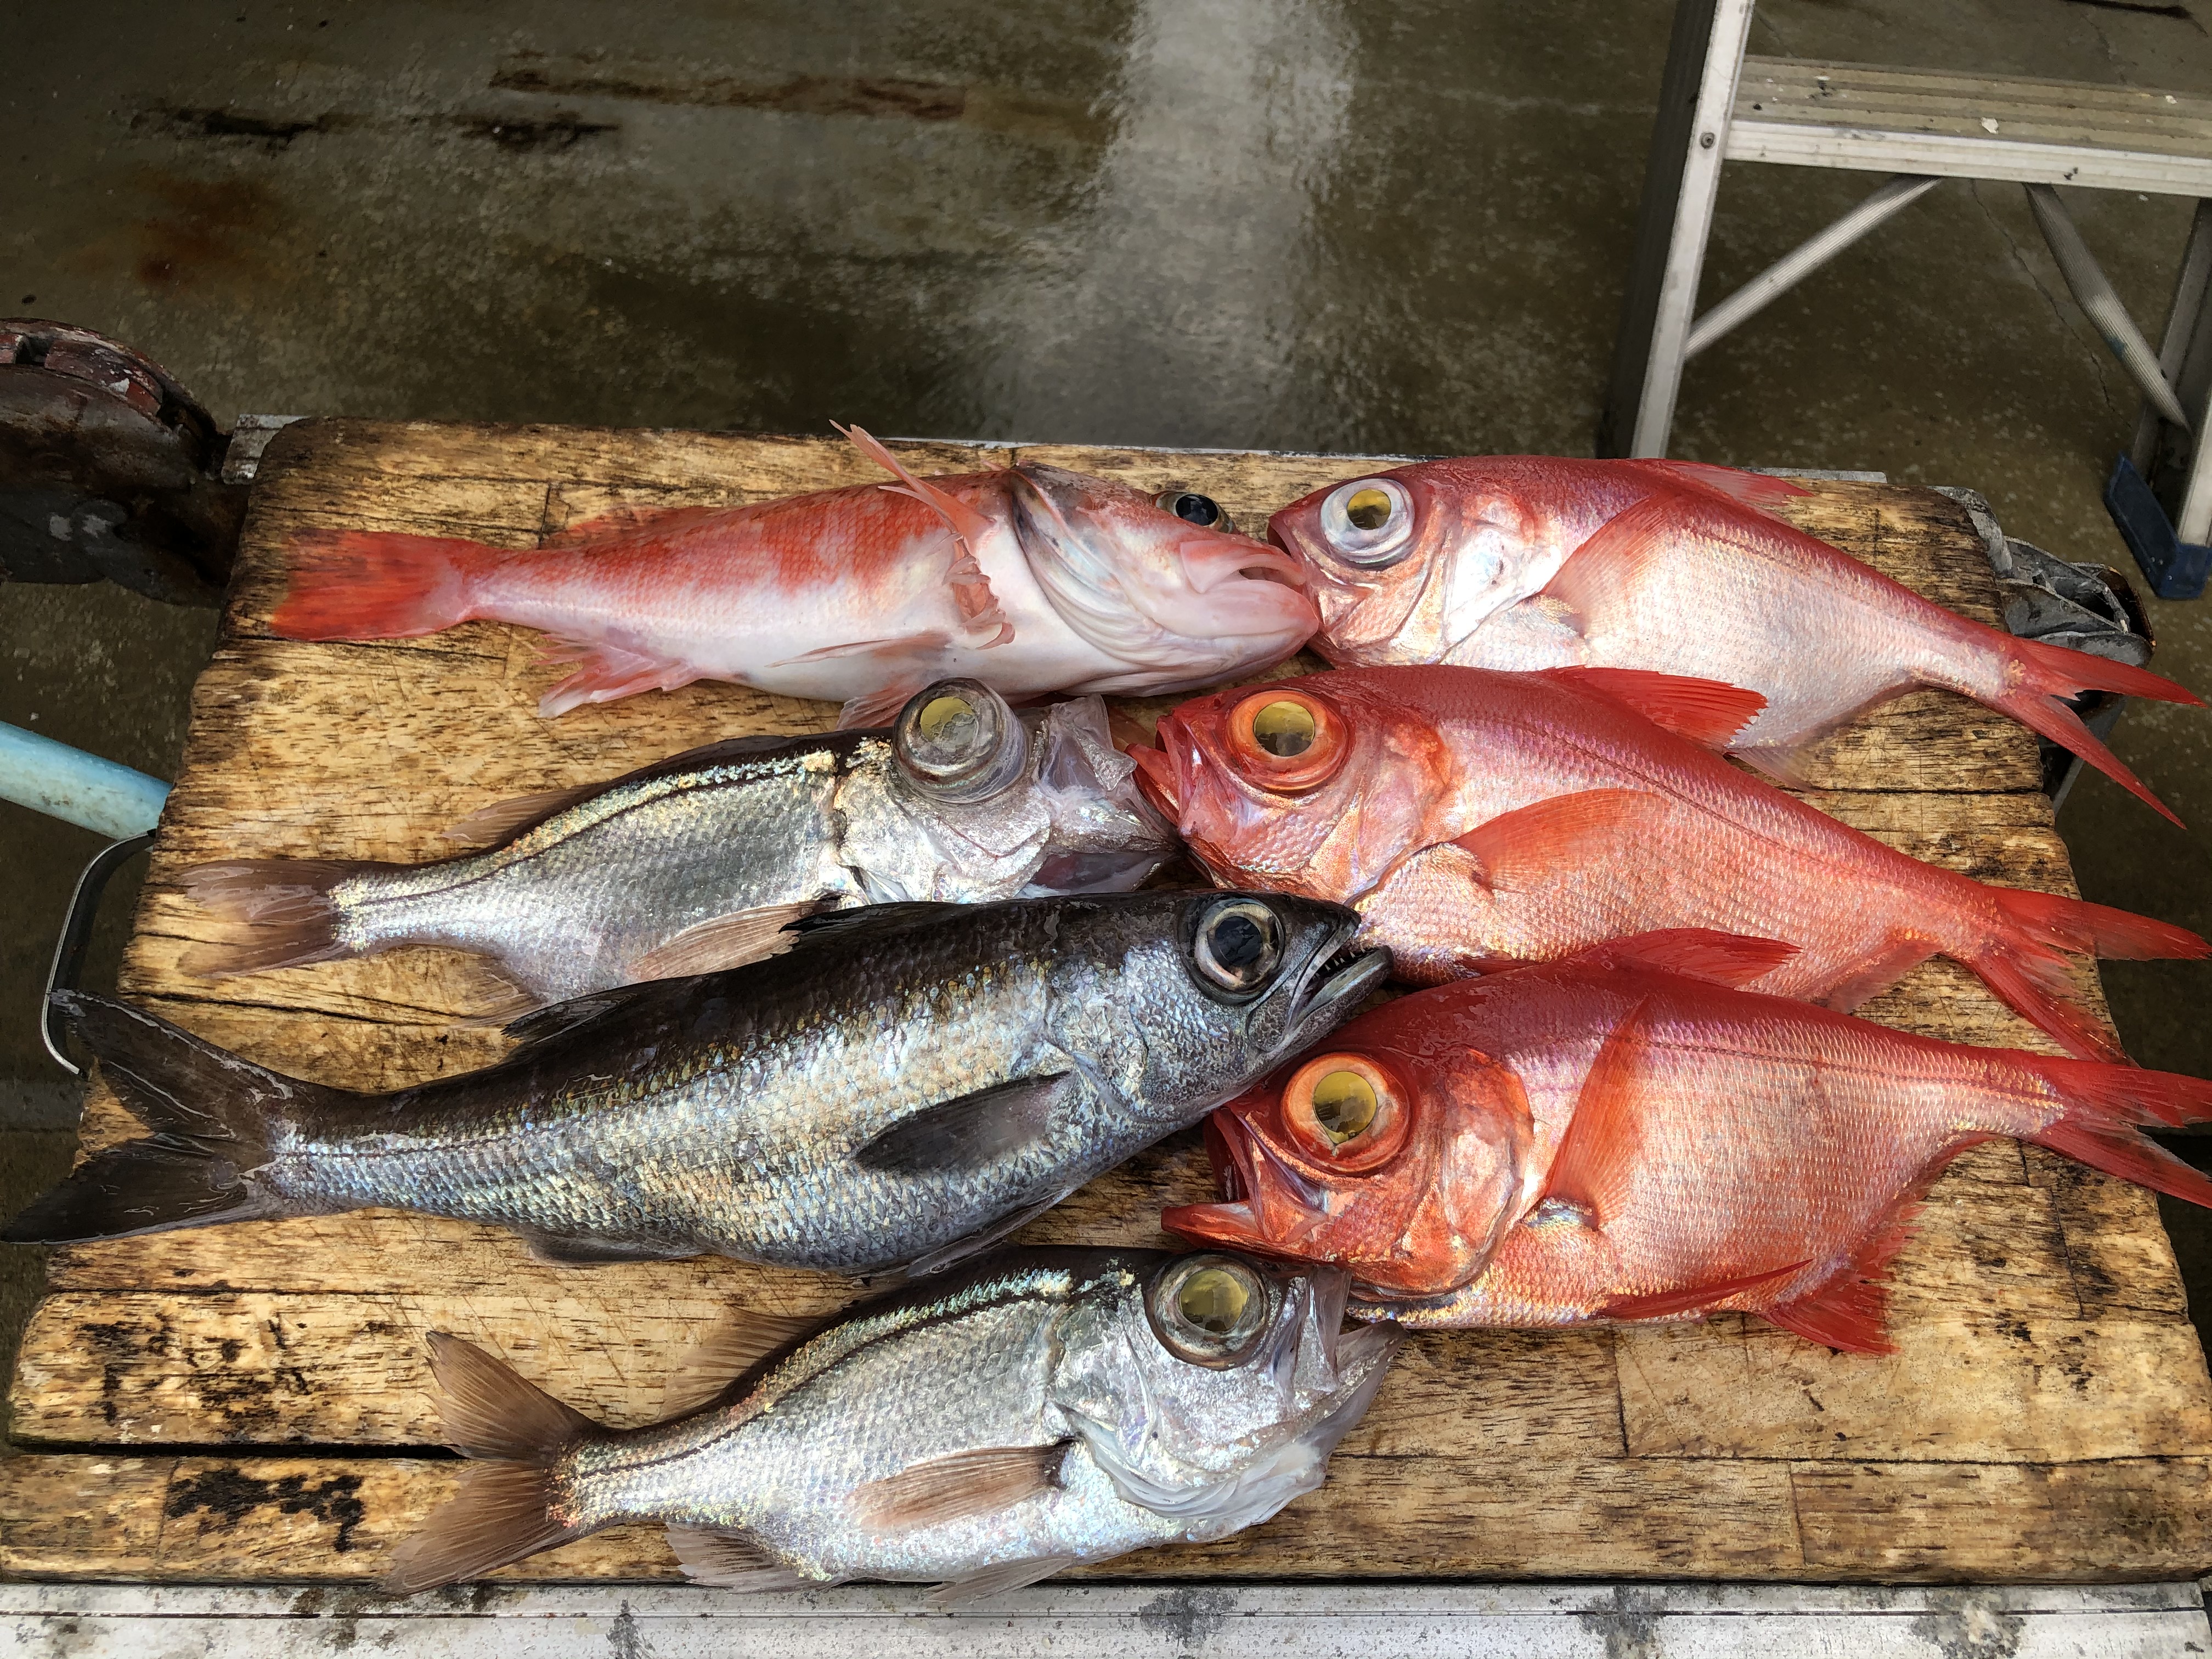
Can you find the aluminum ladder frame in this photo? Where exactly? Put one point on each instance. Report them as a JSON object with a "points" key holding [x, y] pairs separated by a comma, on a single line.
{"points": [[1922, 127]]}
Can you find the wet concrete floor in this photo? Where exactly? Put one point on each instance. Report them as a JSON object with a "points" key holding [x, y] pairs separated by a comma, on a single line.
{"points": [[1399, 225]]}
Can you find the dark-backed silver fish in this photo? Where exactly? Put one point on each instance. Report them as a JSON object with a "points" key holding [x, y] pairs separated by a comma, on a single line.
{"points": [[1041, 1409], [910, 1081], [695, 864]]}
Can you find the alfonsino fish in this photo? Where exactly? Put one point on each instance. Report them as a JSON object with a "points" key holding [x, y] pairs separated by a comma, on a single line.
{"points": [[910, 1081], [1524, 562], [1041, 1409], [1624, 1136], [1029, 579], [1478, 820], [696, 863]]}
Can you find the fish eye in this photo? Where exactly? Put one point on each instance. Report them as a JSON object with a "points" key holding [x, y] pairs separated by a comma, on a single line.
{"points": [[1193, 509], [1209, 1310], [1288, 740], [1239, 945], [959, 741], [1346, 1109], [1369, 522]]}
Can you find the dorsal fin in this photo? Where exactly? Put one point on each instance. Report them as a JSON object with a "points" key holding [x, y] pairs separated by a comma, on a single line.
{"points": [[1708, 712], [619, 522], [726, 1350], [1760, 491], [1596, 1165], [1734, 960]]}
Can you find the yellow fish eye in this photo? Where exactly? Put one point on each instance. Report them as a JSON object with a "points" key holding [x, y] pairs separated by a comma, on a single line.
{"points": [[1285, 728], [1344, 1105], [947, 719], [1212, 1300], [1368, 509]]}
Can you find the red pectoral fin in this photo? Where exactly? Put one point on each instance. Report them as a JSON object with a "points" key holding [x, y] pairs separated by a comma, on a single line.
{"points": [[1731, 960], [1659, 1304], [1596, 1167], [971, 588], [1517, 849], [1709, 712]]}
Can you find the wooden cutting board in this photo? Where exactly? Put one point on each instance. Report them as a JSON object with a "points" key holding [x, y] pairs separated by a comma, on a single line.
{"points": [[246, 1403]]}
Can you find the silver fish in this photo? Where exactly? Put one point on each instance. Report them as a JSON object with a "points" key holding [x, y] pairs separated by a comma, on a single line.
{"points": [[908, 1083], [1042, 1409], [695, 864]]}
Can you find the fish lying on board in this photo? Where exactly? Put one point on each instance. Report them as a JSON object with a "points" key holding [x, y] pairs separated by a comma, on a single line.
{"points": [[1028, 578], [1623, 1135], [696, 863], [908, 1082], [1478, 819], [1039, 1409], [1522, 561]]}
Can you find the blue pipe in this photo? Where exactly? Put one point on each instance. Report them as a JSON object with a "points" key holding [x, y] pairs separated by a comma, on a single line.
{"points": [[79, 788]]}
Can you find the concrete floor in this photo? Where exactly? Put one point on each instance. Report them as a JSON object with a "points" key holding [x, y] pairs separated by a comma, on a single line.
{"points": [[1395, 225]]}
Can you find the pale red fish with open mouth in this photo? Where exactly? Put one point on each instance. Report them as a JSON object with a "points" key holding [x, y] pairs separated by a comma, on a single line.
{"points": [[1029, 578]]}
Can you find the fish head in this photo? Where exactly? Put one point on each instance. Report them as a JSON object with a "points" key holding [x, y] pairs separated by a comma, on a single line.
{"points": [[1399, 1152], [1405, 564], [1211, 1387], [1175, 1000], [1316, 786], [976, 801], [1181, 603]]}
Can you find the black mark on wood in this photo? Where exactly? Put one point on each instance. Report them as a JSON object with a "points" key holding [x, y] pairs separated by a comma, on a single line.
{"points": [[229, 1494]]}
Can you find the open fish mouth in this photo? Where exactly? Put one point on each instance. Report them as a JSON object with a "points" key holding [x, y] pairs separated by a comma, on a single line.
{"points": [[1244, 1168], [1345, 975]]}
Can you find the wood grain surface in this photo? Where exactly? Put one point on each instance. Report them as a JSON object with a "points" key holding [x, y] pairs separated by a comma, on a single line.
{"points": [[246, 1403]]}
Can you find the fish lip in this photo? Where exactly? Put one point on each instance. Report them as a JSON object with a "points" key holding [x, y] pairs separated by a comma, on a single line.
{"points": [[1356, 971]]}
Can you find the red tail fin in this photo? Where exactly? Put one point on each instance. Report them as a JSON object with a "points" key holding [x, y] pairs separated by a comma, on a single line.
{"points": [[2040, 985], [2048, 672], [2096, 929], [2104, 1105], [377, 585]]}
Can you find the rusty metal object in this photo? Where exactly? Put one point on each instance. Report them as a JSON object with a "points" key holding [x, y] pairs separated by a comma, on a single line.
{"points": [[108, 468]]}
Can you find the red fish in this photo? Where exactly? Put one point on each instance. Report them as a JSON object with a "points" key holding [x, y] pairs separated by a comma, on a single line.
{"points": [[1481, 820], [1623, 1136], [1522, 561], [1029, 579]]}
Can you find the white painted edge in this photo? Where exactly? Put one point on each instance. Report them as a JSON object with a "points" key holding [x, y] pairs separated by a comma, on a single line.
{"points": [[1156, 1622], [1953, 156]]}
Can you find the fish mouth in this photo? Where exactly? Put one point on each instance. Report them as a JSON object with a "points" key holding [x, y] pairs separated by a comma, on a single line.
{"points": [[1220, 558], [1345, 976], [1245, 1167], [1156, 777]]}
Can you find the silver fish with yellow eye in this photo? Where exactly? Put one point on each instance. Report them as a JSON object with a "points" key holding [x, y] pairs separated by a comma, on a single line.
{"points": [[696, 863], [910, 1081], [1042, 1409]]}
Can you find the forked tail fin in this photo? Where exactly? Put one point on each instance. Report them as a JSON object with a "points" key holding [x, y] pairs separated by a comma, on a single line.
{"points": [[2047, 673], [2104, 1104], [282, 909], [377, 585], [2022, 964], [504, 1509], [209, 1112]]}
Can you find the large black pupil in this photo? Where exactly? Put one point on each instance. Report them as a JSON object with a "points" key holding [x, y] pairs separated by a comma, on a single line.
{"points": [[1237, 942], [1196, 509]]}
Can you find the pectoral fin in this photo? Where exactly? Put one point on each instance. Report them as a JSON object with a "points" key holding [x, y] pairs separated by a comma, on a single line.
{"points": [[724, 942], [1517, 849], [967, 1131], [940, 1490], [1596, 1165]]}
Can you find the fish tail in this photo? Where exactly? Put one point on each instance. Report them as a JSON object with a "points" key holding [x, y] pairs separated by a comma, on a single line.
{"points": [[377, 585], [210, 1113], [2042, 674], [508, 1504], [2103, 1106], [284, 907], [2020, 959]]}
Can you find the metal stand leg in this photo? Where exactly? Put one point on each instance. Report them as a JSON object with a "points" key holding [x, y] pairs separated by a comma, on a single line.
{"points": [[1696, 97]]}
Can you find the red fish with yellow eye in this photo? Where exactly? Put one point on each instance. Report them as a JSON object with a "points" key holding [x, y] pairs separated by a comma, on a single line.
{"points": [[1480, 820], [1627, 1136], [1528, 562]]}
